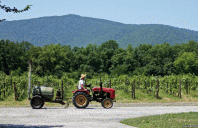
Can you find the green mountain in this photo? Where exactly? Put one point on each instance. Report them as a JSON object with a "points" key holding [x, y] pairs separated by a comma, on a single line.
{"points": [[79, 31]]}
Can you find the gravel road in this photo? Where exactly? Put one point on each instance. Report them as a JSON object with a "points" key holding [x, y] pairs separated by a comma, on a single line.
{"points": [[93, 116]]}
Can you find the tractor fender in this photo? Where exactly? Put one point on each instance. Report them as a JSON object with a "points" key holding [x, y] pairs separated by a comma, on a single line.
{"points": [[81, 90]]}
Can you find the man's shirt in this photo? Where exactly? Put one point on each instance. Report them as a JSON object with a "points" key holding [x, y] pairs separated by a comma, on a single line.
{"points": [[80, 82]]}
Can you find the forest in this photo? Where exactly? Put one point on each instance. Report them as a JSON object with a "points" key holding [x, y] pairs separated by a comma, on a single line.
{"points": [[107, 58]]}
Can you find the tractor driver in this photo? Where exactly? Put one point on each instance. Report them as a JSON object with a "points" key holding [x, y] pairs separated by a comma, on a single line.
{"points": [[81, 82]]}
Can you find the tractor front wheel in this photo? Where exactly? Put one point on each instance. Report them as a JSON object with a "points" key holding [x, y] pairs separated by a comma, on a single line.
{"points": [[37, 102], [107, 103], [80, 100]]}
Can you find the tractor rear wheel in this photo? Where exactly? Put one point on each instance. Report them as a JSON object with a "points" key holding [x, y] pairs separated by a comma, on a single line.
{"points": [[107, 103], [80, 100], [37, 102]]}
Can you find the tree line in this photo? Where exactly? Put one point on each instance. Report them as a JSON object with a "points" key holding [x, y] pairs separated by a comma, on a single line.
{"points": [[106, 58]]}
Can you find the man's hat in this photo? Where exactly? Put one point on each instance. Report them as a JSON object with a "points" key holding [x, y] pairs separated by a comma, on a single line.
{"points": [[83, 76]]}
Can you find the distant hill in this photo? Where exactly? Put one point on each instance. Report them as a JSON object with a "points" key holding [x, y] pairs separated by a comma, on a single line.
{"points": [[79, 31]]}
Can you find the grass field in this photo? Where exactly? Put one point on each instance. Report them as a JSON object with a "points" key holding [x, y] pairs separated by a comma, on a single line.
{"points": [[164, 121], [155, 121]]}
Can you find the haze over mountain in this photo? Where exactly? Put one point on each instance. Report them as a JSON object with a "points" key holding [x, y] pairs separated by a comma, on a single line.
{"points": [[80, 31]]}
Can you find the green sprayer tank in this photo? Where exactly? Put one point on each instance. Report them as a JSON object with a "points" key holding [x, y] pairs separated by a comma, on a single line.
{"points": [[46, 93]]}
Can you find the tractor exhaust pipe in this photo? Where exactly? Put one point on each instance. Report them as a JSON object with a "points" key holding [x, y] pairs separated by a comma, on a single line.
{"points": [[29, 80], [100, 85]]}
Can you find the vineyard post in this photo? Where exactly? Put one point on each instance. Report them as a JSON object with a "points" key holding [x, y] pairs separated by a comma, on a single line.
{"points": [[151, 86], [170, 87], [167, 88], [4, 79], [157, 87], [32, 81], [47, 79], [179, 94], [15, 91], [60, 83], [0, 92], [11, 80], [125, 82], [154, 87], [147, 83], [66, 88], [4, 89], [62, 90], [176, 84], [133, 90], [187, 87], [139, 82]]}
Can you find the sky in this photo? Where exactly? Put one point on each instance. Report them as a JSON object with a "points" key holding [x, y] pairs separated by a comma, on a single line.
{"points": [[177, 13]]}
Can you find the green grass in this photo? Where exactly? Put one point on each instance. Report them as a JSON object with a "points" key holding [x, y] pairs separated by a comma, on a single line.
{"points": [[164, 121]]}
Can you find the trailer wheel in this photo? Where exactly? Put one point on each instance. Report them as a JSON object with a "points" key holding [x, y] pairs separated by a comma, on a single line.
{"points": [[80, 100], [107, 103], [37, 102]]}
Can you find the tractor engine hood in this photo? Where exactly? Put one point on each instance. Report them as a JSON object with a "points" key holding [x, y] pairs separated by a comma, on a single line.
{"points": [[109, 90], [104, 89]]}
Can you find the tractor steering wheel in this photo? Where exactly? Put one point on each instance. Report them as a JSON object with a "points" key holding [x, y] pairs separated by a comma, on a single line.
{"points": [[88, 85]]}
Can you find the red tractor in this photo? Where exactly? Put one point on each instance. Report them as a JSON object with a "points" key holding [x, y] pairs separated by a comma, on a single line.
{"points": [[105, 96]]}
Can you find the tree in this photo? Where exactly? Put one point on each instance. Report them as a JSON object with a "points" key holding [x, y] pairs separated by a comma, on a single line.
{"points": [[111, 44], [51, 59], [120, 70], [15, 10], [187, 63], [107, 51], [14, 56], [118, 59]]}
